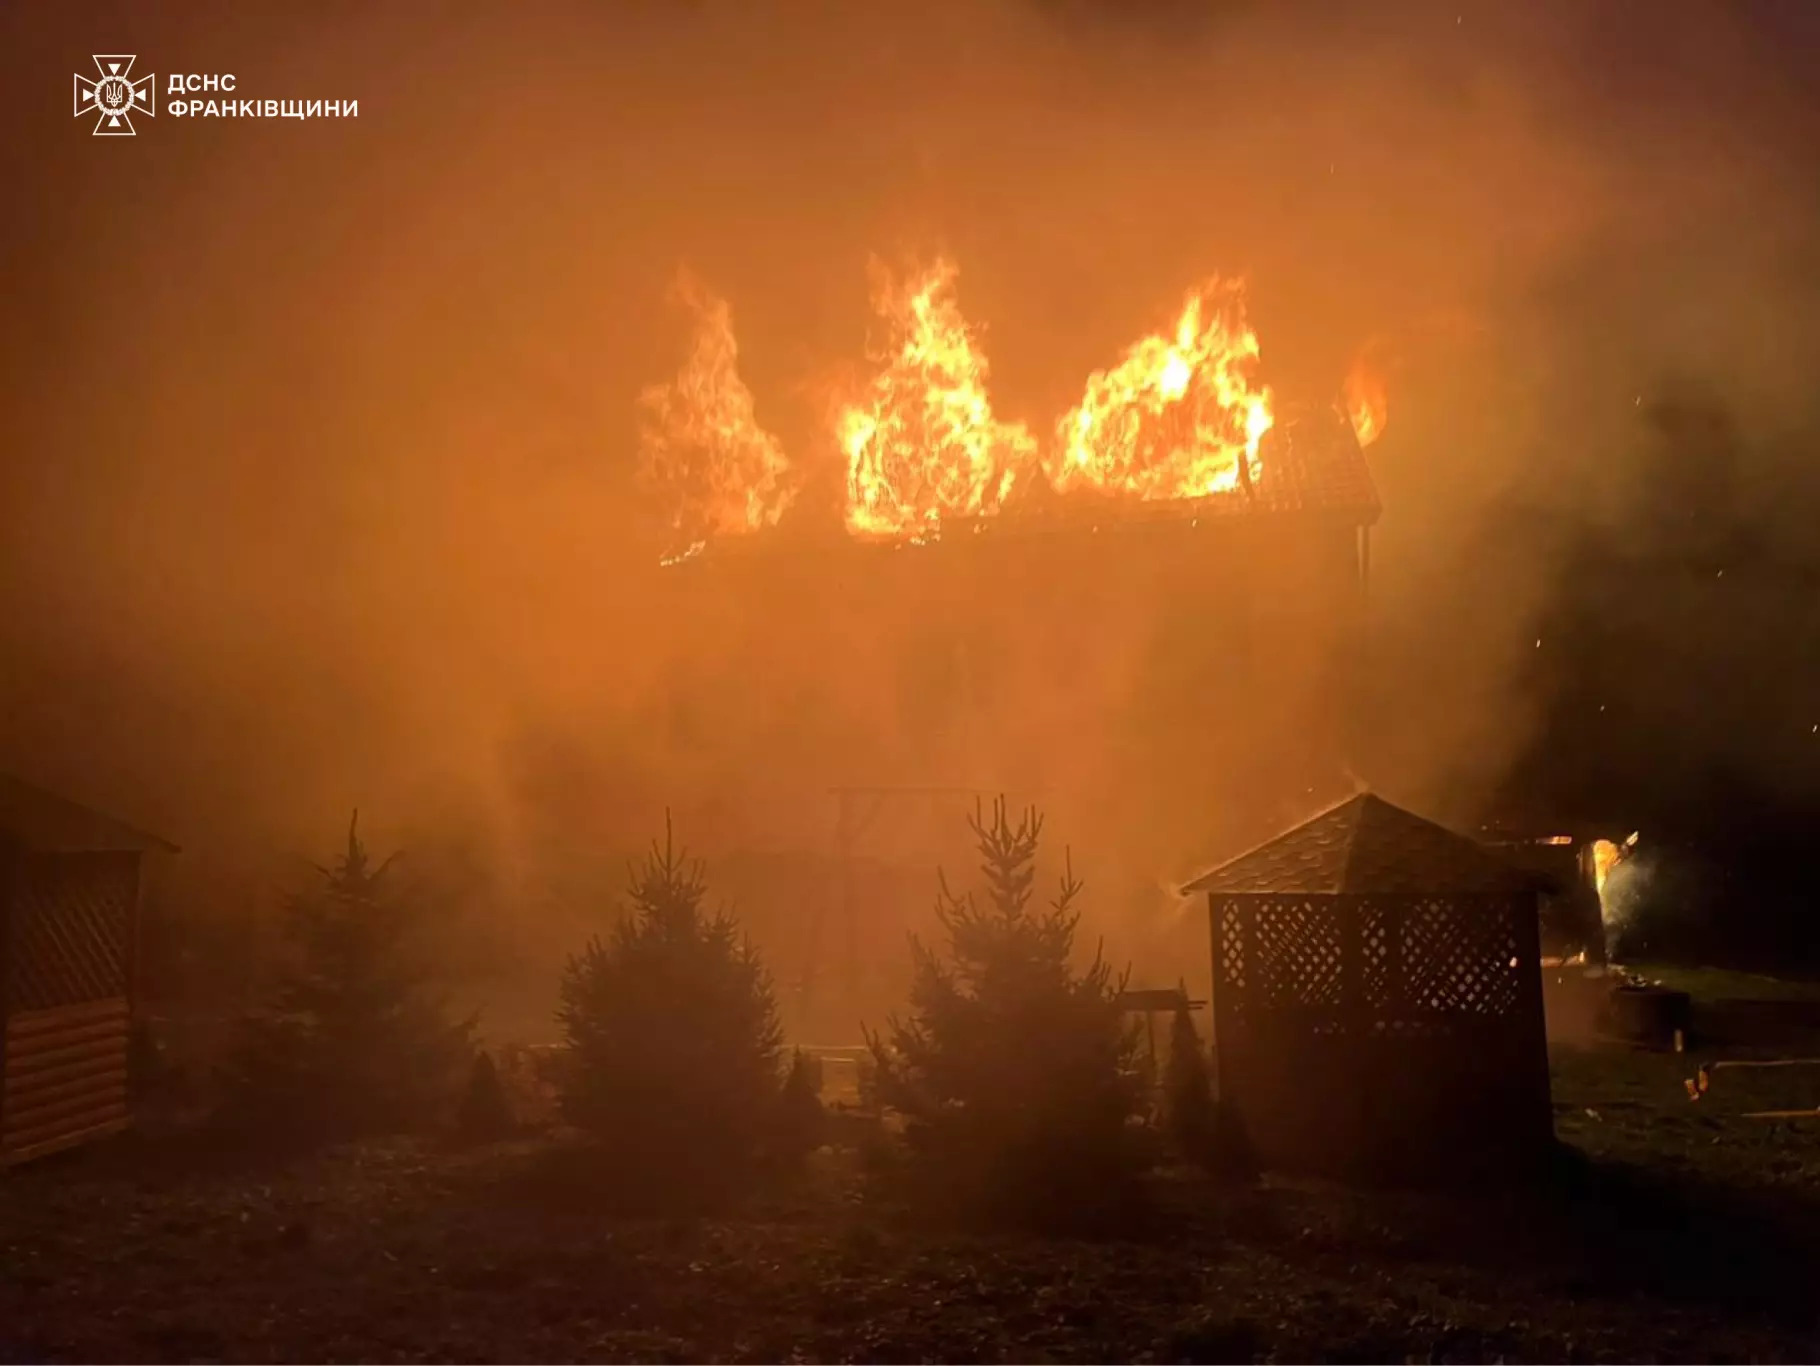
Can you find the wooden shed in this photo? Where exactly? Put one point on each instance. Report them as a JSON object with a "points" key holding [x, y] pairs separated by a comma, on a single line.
{"points": [[1377, 999], [70, 881]]}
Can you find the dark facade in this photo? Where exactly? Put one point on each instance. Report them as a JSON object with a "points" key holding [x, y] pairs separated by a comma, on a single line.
{"points": [[70, 883], [1377, 999]]}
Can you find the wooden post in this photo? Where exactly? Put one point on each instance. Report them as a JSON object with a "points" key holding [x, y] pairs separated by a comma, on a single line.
{"points": [[1217, 1004], [1526, 924], [135, 911], [844, 835], [1355, 1029]]}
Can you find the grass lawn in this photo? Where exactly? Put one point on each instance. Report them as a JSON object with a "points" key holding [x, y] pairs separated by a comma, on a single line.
{"points": [[1678, 1230]]}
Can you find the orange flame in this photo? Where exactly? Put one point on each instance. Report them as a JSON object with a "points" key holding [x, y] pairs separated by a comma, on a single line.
{"points": [[1365, 399], [922, 444], [704, 453], [1180, 416], [1605, 856]]}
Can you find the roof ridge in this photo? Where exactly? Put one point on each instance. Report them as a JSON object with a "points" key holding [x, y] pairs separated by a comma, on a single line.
{"points": [[1363, 844], [117, 831], [1284, 833], [1366, 801]]}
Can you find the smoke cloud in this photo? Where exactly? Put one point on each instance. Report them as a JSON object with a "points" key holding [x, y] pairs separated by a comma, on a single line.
{"points": [[320, 437]]}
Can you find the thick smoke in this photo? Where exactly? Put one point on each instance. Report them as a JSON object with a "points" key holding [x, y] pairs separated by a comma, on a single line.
{"points": [[320, 437]]}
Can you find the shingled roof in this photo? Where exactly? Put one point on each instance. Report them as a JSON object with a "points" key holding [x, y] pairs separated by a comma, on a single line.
{"points": [[45, 823], [1366, 847], [1313, 464]]}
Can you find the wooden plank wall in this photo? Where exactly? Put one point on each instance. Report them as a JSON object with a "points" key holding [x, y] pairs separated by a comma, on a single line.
{"points": [[65, 1078]]}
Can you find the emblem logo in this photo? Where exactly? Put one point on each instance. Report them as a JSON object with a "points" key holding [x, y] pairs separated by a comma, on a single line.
{"points": [[116, 97]]}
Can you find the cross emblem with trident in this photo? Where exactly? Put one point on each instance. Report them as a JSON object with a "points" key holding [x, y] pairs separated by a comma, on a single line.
{"points": [[116, 97]]}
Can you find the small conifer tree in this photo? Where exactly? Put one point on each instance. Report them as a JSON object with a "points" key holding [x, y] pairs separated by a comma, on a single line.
{"points": [[485, 1113], [802, 1121], [1188, 1109], [673, 1038], [1207, 1131], [352, 1040], [1015, 1074]]}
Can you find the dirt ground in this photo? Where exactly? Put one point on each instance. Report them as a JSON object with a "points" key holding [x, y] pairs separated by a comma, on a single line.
{"points": [[1675, 1230]]}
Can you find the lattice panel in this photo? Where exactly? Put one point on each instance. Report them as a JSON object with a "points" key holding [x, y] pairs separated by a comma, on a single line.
{"points": [[1459, 959], [1377, 955], [1414, 1028], [1232, 951], [71, 923], [1298, 954]]}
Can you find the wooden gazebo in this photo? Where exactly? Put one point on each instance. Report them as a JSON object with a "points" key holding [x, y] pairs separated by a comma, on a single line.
{"points": [[69, 909], [1377, 999]]}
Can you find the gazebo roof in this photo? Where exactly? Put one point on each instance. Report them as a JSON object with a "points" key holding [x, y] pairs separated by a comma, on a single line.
{"points": [[45, 823], [1367, 847]]}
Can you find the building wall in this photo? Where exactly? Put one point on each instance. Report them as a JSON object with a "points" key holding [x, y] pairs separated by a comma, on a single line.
{"points": [[1168, 666], [66, 1009]]}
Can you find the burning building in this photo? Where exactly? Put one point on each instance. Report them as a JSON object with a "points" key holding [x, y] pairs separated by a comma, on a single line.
{"points": [[1147, 605], [1180, 427], [1181, 527]]}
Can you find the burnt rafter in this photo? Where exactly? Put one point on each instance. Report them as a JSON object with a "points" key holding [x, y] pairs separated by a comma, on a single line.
{"points": [[1311, 468]]}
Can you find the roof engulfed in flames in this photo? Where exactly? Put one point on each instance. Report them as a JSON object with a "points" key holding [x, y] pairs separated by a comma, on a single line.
{"points": [[1180, 419], [1180, 416]]}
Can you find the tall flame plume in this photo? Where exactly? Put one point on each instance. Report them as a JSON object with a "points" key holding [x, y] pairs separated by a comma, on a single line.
{"points": [[1364, 393], [703, 453], [922, 444], [1180, 416]]}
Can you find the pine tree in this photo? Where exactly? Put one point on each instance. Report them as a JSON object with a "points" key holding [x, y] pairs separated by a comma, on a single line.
{"points": [[1207, 1132], [802, 1121], [1014, 1074], [485, 1114], [673, 1036], [1188, 1108], [352, 1040]]}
